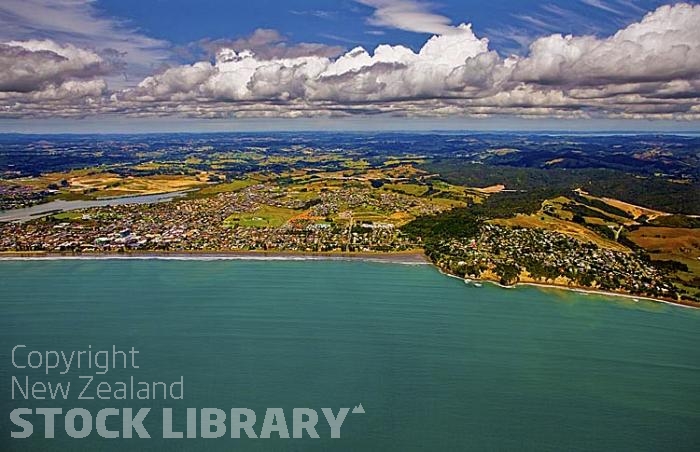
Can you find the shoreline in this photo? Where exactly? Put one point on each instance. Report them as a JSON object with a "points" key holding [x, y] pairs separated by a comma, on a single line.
{"points": [[590, 291], [408, 257], [415, 257], [577, 289]]}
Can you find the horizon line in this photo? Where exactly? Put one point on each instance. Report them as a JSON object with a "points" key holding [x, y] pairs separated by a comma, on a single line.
{"points": [[379, 131]]}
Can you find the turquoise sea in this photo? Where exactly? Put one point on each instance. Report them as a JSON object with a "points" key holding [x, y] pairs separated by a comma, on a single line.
{"points": [[437, 365]]}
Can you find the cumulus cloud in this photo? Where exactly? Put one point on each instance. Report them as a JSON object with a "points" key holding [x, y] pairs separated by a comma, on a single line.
{"points": [[32, 65], [80, 23], [648, 69], [664, 46], [46, 78], [266, 44], [390, 72]]}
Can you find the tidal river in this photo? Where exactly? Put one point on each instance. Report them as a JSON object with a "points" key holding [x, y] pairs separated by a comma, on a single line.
{"points": [[59, 205], [437, 365]]}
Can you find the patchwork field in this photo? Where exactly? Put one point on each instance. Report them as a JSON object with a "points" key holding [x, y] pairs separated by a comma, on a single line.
{"points": [[632, 209], [674, 244], [407, 189], [547, 222], [91, 184], [674, 241], [265, 217], [226, 187]]}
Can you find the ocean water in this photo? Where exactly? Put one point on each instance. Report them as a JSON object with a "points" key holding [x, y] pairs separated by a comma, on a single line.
{"points": [[436, 364]]}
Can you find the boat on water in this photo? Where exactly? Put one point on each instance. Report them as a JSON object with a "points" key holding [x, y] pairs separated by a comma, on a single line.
{"points": [[468, 281]]}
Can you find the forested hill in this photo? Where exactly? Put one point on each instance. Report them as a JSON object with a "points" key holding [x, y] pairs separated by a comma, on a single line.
{"points": [[652, 191]]}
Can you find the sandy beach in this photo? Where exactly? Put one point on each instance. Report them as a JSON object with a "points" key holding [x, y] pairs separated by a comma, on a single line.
{"points": [[415, 257], [572, 288], [410, 257]]}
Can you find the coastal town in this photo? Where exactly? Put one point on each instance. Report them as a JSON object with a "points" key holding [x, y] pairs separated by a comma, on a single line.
{"points": [[18, 196], [510, 255], [259, 217], [345, 195], [339, 217], [354, 225]]}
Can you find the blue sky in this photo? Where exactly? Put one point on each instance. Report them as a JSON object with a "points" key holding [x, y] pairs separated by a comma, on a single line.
{"points": [[508, 24], [120, 65]]}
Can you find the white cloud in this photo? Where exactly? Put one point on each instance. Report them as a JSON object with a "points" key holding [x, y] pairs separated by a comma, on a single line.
{"points": [[80, 23], [390, 72], [664, 46], [268, 44], [30, 65], [649, 69], [409, 15]]}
